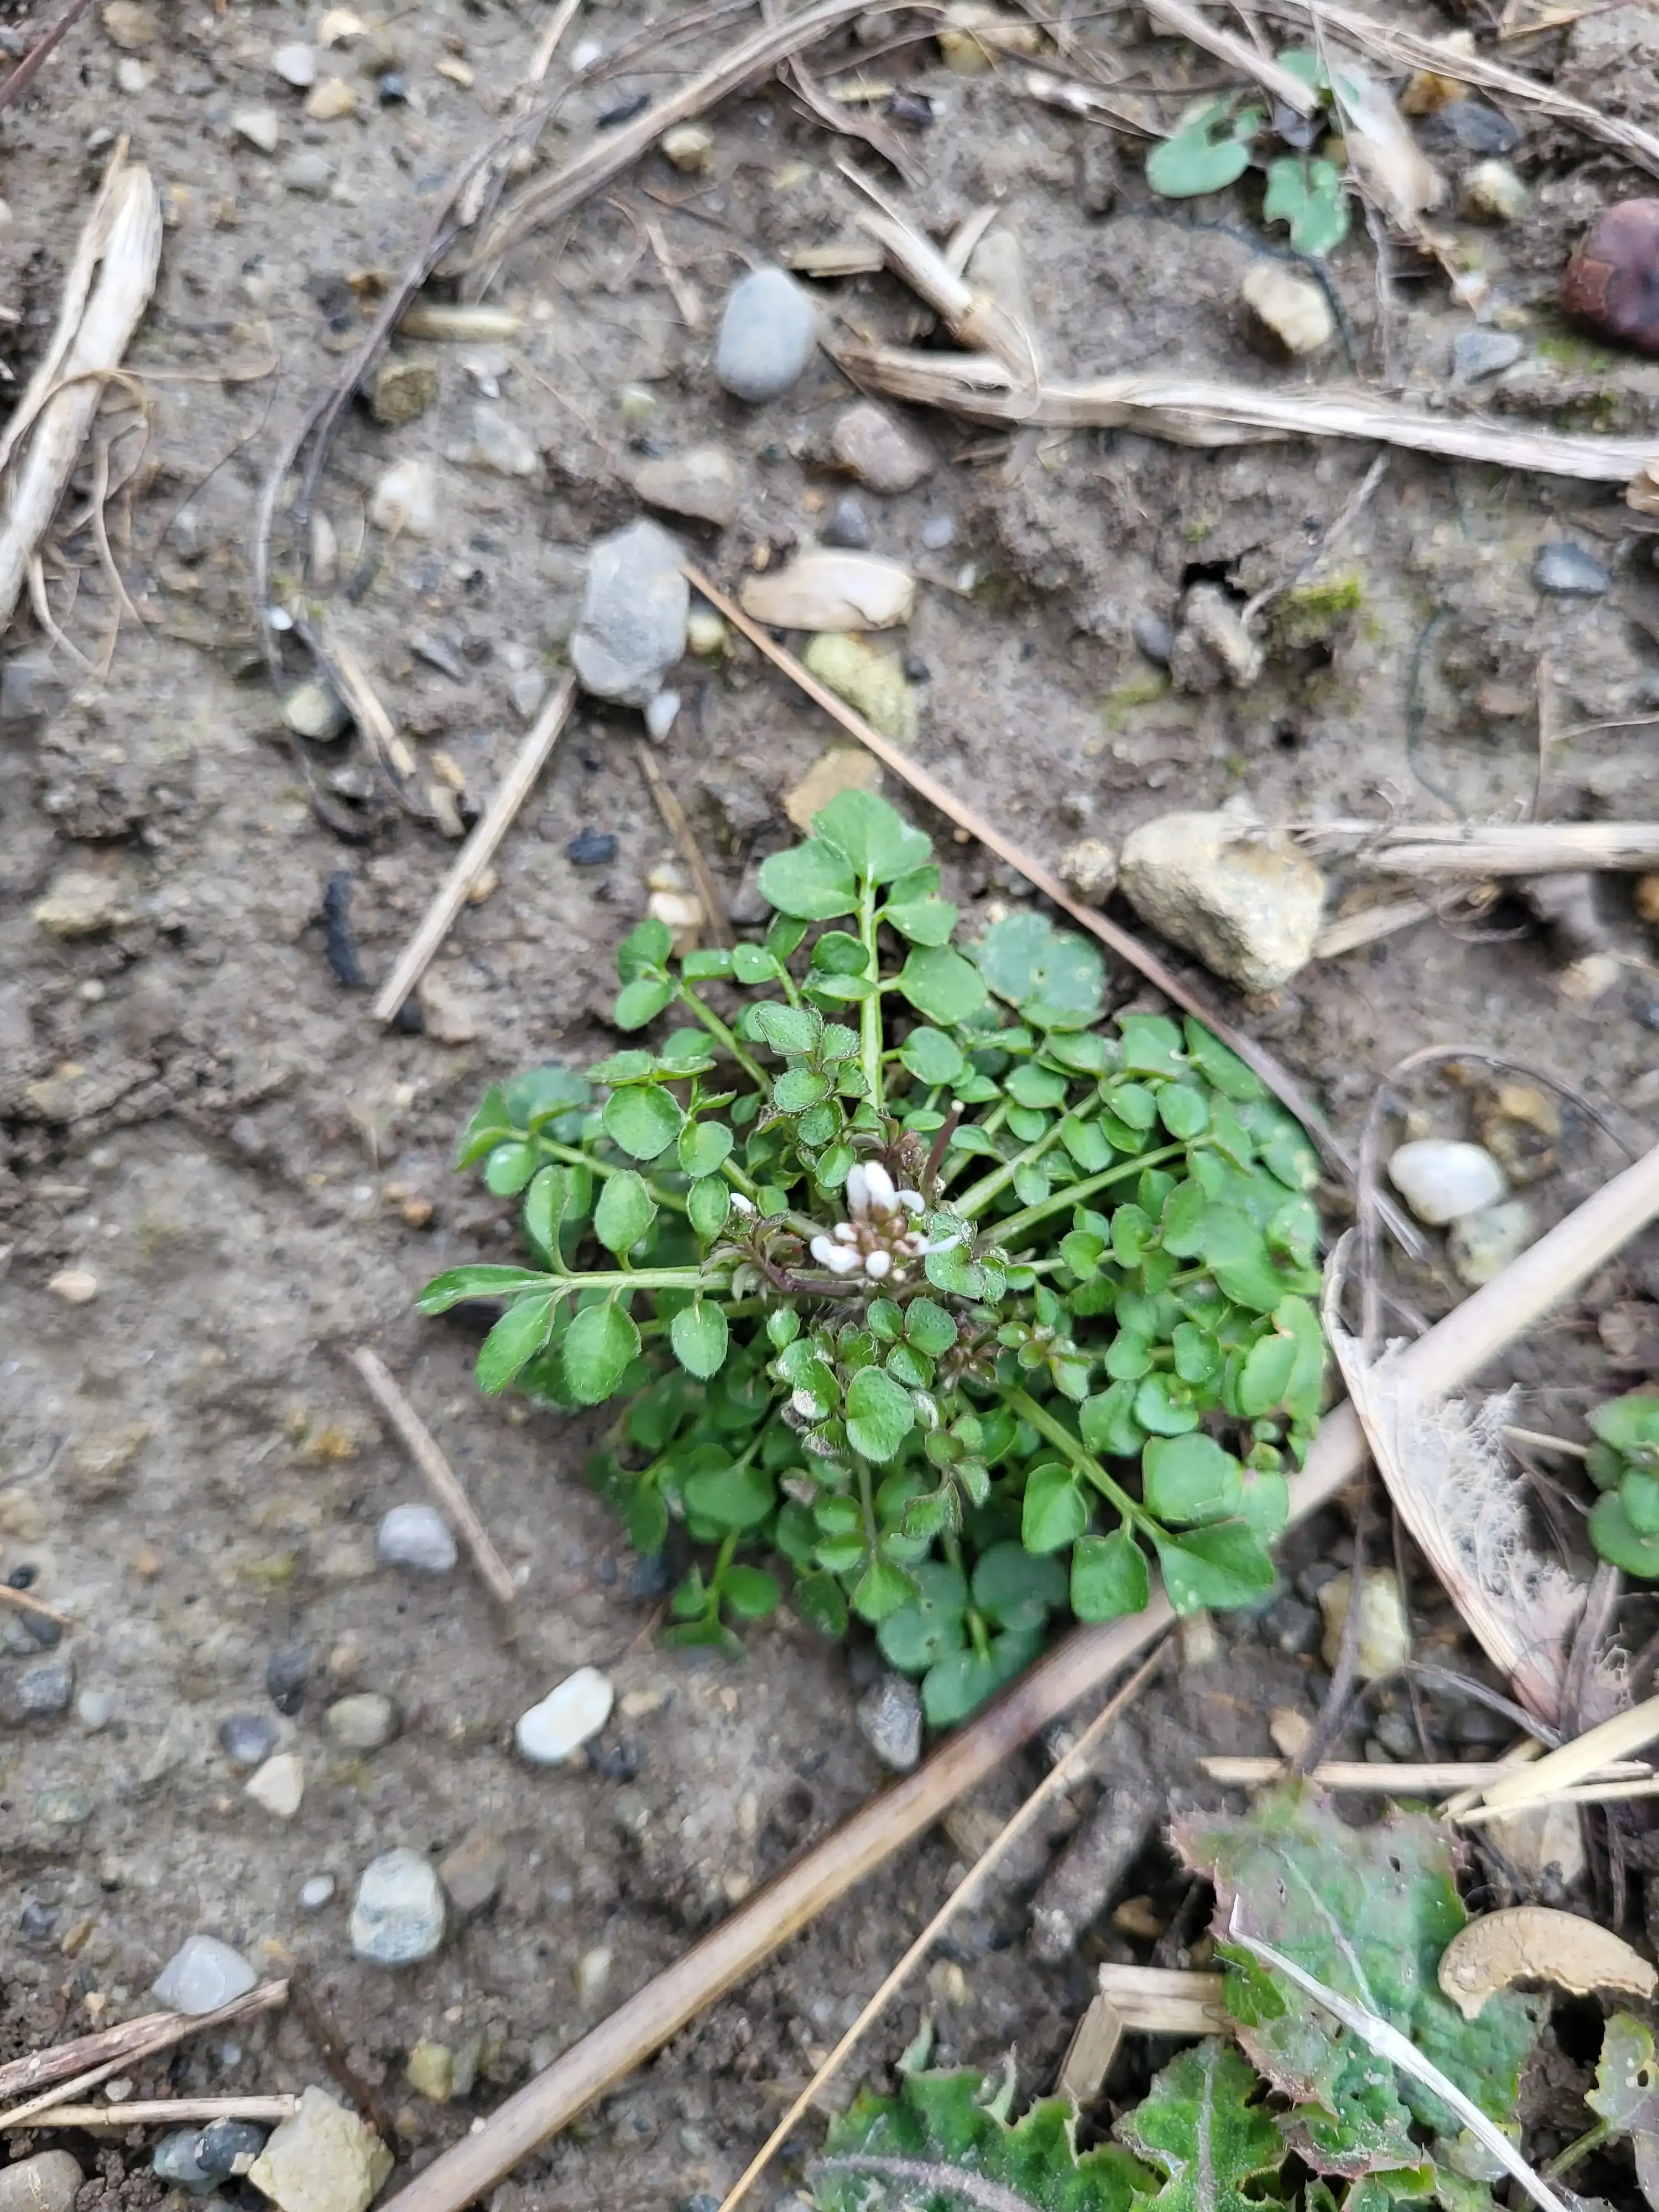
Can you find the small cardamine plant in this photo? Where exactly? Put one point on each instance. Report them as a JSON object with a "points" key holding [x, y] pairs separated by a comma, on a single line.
{"points": [[902, 1269]]}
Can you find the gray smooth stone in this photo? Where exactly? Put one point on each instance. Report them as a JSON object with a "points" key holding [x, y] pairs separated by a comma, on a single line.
{"points": [[173, 2160], [769, 334], [397, 1919], [1566, 571], [1478, 129], [1484, 353], [416, 1537], [202, 1975], [247, 1738], [632, 629]]}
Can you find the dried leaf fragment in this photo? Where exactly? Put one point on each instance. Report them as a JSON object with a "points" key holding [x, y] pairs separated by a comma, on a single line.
{"points": [[1534, 1944]]}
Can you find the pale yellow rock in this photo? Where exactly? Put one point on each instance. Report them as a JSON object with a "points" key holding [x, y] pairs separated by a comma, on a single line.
{"points": [[1247, 901], [683, 912], [593, 1972], [831, 591], [1385, 1632], [130, 24], [330, 100], [339, 26], [1289, 309], [1289, 1730], [79, 902], [871, 683], [323, 2159], [1540, 1837], [431, 2071], [689, 147], [76, 1287], [843, 767], [706, 635], [1090, 869], [279, 1784]]}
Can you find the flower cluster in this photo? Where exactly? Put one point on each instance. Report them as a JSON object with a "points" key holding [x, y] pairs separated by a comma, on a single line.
{"points": [[882, 1233]]}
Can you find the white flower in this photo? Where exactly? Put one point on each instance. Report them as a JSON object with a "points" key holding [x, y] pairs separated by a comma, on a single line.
{"points": [[845, 1233], [858, 1188], [877, 1184], [837, 1257], [911, 1200], [740, 1204], [878, 1264]]}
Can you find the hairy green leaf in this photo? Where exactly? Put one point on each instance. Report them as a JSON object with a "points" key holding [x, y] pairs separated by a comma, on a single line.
{"points": [[1202, 2125]]}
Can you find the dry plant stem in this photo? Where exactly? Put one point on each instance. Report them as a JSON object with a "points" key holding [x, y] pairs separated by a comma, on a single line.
{"points": [[1549, 1443], [112, 2048], [1592, 1793], [1351, 931], [27, 68], [107, 291], [1197, 411], [545, 198], [1502, 848], [673, 816], [169, 2111], [1346, 517], [21, 1601], [1185, 22], [1405, 49], [1279, 1080], [377, 729], [1451, 1354], [423, 1448], [1575, 1762], [478, 851], [1408, 1778], [1138, 2001], [1072, 1768], [563, 15]]}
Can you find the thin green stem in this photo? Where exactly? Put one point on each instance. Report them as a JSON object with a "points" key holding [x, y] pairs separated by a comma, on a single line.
{"points": [[718, 1029], [739, 1177], [571, 1157], [867, 1499], [1073, 1194], [1579, 2148], [648, 1279], [1022, 1403], [870, 1008], [739, 1310], [974, 1201]]}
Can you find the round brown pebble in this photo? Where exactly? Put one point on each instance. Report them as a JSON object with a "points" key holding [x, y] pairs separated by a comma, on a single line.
{"points": [[1647, 898], [1612, 282]]}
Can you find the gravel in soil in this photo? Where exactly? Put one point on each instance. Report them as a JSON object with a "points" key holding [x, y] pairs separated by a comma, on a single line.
{"points": [[218, 1176]]}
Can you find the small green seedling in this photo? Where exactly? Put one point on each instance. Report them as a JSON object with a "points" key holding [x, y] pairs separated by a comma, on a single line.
{"points": [[1209, 150], [1624, 1465], [1307, 195], [904, 1270]]}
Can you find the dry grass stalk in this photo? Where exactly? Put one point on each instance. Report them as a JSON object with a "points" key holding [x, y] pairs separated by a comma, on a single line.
{"points": [[1408, 1778], [1350, 931], [1199, 412], [1074, 99], [1493, 848], [1186, 22], [1138, 2001], [1404, 49], [377, 730], [1592, 1793], [545, 199], [91, 2059], [424, 1449], [106, 292], [478, 851], [709, 894], [168, 2111], [23, 1601], [1277, 1079], [1447, 1357], [1575, 1762], [1442, 1461], [1070, 1768]]}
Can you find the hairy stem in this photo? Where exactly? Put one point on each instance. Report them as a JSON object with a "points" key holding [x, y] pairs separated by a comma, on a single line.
{"points": [[569, 1156], [870, 1011], [921, 2178]]}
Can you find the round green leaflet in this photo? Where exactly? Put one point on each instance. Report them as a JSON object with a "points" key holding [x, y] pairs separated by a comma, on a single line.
{"points": [[625, 1210], [698, 1334], [880, 1414], [1109, 1576], [641, 1121], [599, 1347], [703, 1146]]}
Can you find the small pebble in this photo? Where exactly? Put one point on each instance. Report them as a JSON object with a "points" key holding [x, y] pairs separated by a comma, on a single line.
{"points": [[1612, 282], [1396, 1734], [881, 454], [703, 485], [938, 531], [65, 1808], [1520, 1125], [1480, 353], [591, 848], [551, 1732], [45, 2182], [202, 1975], [1477, 128], [706, 635], [769, 334], [314, 710], [330, 100], [262, 127], [416, 1537], [401, 392], [75, 1286], [689, 147], [287, 1672], [296, 65], [247, 1738], [227, 2147], [1568, 572], [1248, 903], [398, 1917], [279, 1785], [1491, 192], [633, 623], [363, 1722], [317, 1892], [96, 1708], [1154, 637], [474, 1871], [132, 76], [593, 1972], [660, 713], [173, 2160], [830, 591], [848, 525], [871, 681], [1441, 1181], [405, 500], [44, 1690], [889, 1718], [527, 691], [323, 2159], [1482, 1245], [1289, 311], [35, 1922], [392, 90], [430, 2070], [1089, 868], [308, 172], [1385, 1635], [498, 443]]}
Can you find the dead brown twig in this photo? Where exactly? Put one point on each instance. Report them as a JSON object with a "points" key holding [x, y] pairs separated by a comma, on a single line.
{"points": [[90, 2059], [22, 1602], [1489, 848], [424, 1449], [47, 44], [710, 896], [476, 854], [168, 2112], [1188, 22], [1443, 1360]]}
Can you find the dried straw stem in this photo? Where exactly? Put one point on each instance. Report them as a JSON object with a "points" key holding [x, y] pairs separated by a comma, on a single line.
{"points": [[167, 2112], [1409, 1778], [1187, 22], [1502, 848], [105, 293], [1195, 411], [1449, 1355], [91, 2059]]}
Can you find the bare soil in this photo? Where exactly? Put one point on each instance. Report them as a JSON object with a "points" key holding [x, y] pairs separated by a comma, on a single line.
{"points": [[198, 1112]]}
